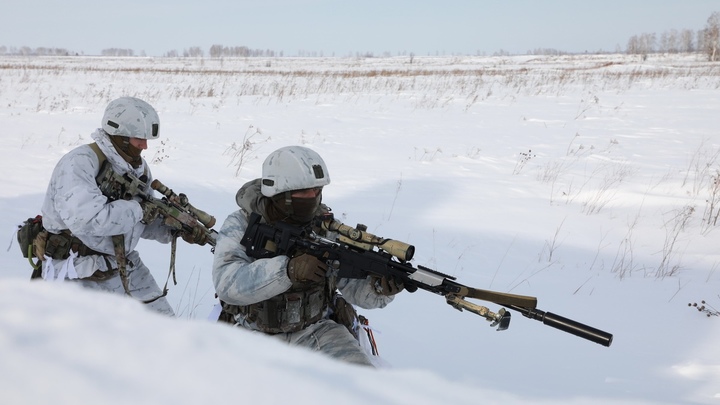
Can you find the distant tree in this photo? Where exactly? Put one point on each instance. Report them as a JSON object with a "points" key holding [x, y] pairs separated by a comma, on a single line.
{"points": [[687, 43], [700, 44], [641, 45], [648, 42], [216, 51], [546, 51], [242, 51], [193, 52], [711, 37], [117, 52], [669, 41], [633, 45]]}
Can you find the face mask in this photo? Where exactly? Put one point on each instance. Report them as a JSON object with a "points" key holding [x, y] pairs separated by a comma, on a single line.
{"points": [[303, 209], [299, 212], [128, 152]]}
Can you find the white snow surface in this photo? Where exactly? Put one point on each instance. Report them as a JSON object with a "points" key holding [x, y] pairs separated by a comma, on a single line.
{"points": [[586, 181]]}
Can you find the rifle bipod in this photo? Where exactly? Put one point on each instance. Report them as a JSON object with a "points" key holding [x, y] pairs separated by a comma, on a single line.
{"points": [[501, 319]]}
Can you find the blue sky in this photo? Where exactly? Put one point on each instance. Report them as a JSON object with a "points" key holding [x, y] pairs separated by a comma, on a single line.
{"points": [[341, 28]]}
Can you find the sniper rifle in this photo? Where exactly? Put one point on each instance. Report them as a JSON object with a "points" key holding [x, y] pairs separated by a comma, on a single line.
{"points": [[355, 253], [176, 209]]}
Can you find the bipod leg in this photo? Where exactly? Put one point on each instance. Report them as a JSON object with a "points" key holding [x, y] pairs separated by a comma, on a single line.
{"points": [[501, 319]]}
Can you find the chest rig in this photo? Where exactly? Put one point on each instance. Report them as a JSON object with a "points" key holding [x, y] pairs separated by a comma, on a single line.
{"points": [[303, 304]]}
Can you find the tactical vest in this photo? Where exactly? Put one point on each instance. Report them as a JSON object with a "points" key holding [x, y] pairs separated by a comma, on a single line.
{"points": [[301, 305], [291, 311]]}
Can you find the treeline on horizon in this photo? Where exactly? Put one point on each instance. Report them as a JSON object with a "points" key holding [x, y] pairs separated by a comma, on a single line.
{"points": [[706, 40]]}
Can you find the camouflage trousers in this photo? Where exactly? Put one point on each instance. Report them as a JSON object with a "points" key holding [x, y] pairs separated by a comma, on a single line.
{"points": [[329, 338], [142, 285]]}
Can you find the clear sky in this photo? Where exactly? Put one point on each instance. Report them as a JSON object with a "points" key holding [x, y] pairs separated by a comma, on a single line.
{"points": [[341, 28]]}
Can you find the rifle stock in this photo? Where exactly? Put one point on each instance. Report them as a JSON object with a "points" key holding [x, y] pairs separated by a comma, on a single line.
{"points": [[353, 255]]}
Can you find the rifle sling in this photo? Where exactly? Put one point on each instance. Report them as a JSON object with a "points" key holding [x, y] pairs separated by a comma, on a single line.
{"points": [[102, 158], [119, 244], [100, 155]]}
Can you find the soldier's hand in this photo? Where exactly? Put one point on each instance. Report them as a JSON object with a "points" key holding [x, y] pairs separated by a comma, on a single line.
{"points": [[306, 268], [387, 286], [150, 212], [196, 236]]}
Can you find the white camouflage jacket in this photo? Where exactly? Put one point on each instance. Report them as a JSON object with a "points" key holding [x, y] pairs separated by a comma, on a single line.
{"points": [[73, 201], [241, 280]]}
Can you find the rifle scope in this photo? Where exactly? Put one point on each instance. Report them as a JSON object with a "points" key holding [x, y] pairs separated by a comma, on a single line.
{"points": [[365, 240], [202, 216]]}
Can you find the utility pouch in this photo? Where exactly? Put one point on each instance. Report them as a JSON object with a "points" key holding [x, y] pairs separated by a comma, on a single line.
{"points": [[57, 246], [36, 242], [26, 234], [344, 314], [287, 312]]}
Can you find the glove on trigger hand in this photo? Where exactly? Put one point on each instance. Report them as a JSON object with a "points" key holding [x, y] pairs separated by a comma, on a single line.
{"points": [[306, 268], [149, 212], [197, 236], [388, 287]]}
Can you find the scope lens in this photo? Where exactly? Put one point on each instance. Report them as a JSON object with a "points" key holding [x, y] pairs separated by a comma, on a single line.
{"points": [[410, 252]]}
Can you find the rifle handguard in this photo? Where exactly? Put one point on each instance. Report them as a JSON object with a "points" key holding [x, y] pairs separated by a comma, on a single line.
{"points": [[202, 216]]}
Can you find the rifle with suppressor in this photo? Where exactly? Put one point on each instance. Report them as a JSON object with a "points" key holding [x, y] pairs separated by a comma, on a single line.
{"points": [[355, 253], [176, 210]]}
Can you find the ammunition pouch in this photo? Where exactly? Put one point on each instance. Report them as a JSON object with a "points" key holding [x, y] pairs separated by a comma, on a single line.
{"points": [[287, 312], [36, 241], [59, 245], [344, 314]]}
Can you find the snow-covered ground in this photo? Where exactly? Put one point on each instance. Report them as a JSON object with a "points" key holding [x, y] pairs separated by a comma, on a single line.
{"points": [[587, 181]]}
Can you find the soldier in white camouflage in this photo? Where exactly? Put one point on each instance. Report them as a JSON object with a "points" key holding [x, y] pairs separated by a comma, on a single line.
{"points": [[294, 299], [85, 229]]}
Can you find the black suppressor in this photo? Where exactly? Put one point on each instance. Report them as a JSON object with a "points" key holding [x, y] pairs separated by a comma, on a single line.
{"points": [[567, 325]]}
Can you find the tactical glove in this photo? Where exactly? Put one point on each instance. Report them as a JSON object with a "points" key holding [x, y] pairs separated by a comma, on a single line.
{"points": [[385, 286], [149, 212], [306, 268], [196, 236]]}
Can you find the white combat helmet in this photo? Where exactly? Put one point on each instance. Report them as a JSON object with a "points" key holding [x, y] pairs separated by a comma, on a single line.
{"points": [[293, 168], [131, 117]]}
